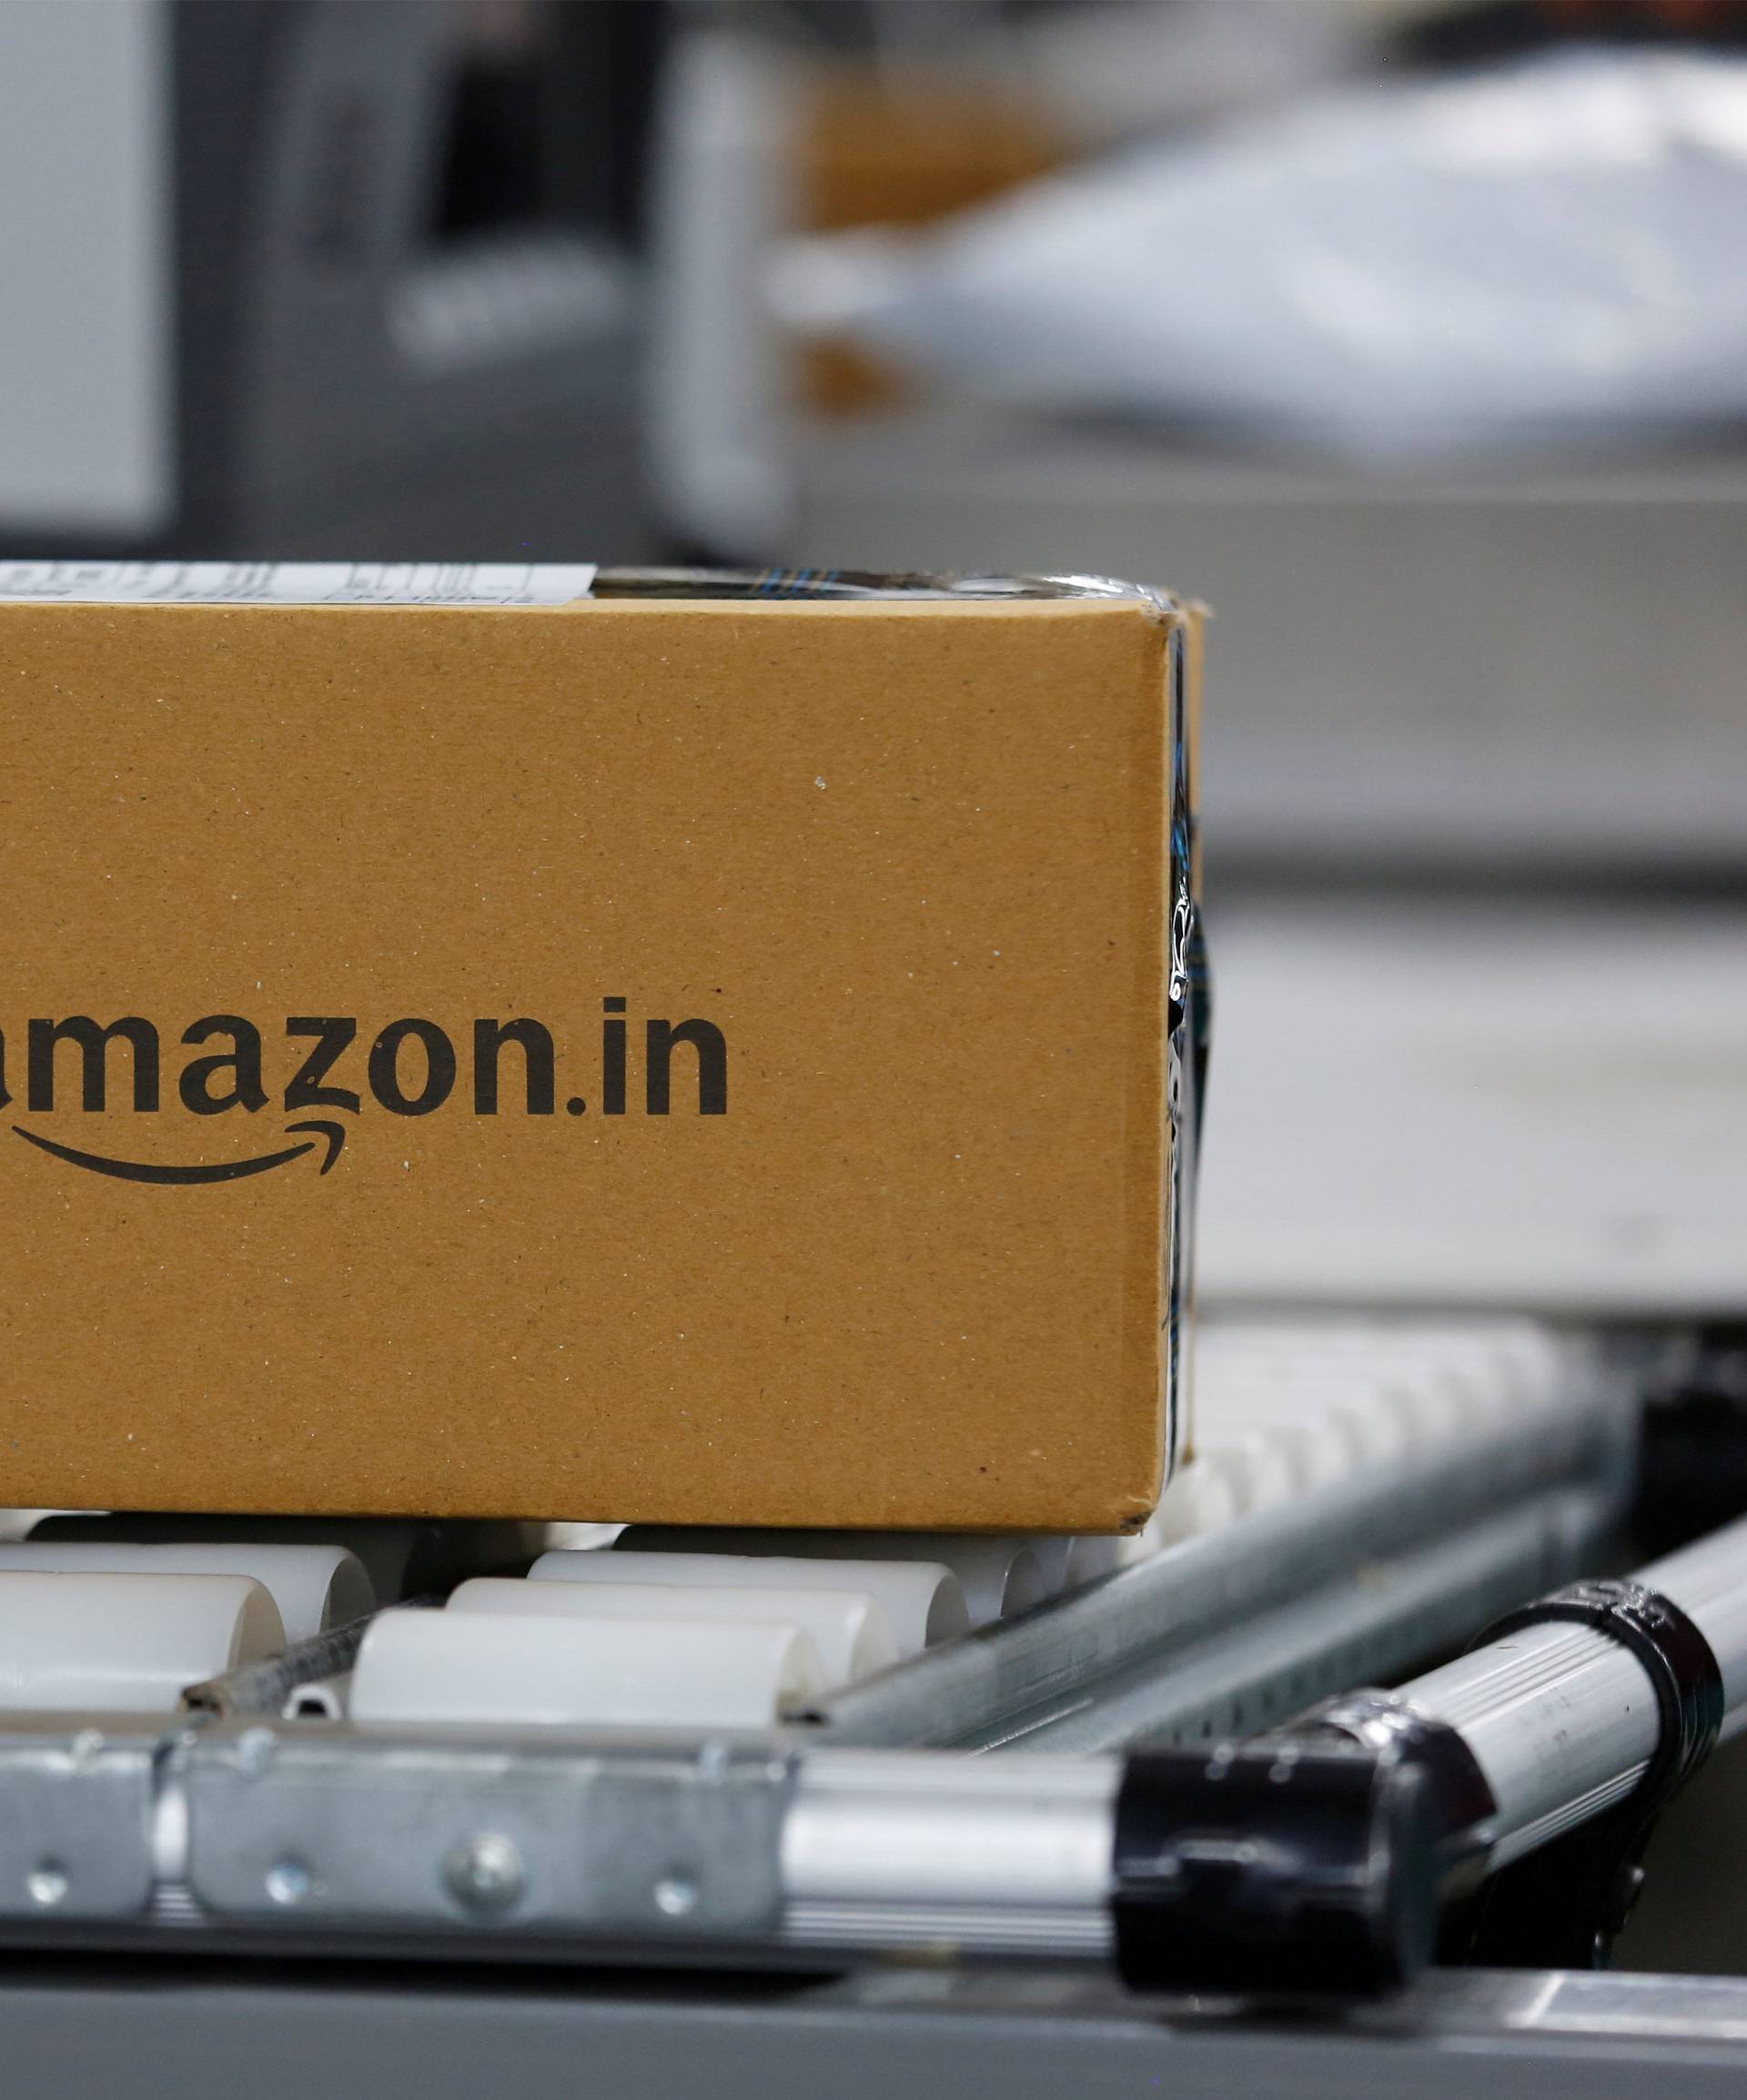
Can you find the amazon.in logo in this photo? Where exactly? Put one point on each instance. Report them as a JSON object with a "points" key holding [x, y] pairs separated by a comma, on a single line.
{"points": [[410, 1067]]}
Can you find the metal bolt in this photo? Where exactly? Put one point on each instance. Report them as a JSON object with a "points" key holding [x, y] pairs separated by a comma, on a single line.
{"points": [[288, 1881], [486, 1874], [255, 1749], [675, 1896], [47, 1885]]}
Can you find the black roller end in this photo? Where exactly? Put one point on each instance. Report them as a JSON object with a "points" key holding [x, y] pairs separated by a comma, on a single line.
{"points": [[1274, 1867]]}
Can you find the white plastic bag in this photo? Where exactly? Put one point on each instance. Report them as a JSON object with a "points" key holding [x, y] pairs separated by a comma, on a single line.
{"points": [[1556, 250]]}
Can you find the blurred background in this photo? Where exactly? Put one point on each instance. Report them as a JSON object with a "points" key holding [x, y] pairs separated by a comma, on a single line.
{"points": [[1410, 334]]}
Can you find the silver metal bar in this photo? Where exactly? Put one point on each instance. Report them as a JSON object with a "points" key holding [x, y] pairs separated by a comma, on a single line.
{"points": [[1706, 1581], [1375, 1617], [298, 1830], [887, 1848], [1562, 1720], [992, 1683]]}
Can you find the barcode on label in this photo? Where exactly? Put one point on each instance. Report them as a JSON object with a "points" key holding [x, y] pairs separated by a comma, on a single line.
{"points": [[298, 583]]}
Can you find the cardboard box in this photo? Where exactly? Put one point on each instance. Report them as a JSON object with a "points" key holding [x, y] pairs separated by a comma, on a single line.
{"points": [[598, 1052]]}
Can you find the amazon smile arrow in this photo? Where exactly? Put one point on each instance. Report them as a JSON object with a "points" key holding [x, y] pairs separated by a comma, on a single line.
{"points": [[183, 1176]]}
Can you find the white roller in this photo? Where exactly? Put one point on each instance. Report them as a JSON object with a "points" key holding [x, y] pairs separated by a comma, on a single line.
{"points": [[922, 1600], [1465, 1372], [1348, 1423], [1314, 1387], [1052, 1550], [1257, 1470], [579, 1537], [1200, 1498], [21, 1523], [1067, 1559], [999, 1573], [1096, 1554], [467, 1666], [848, 1627], [313, 1586], [1315, 1449], [126, 1642], [1427, 1402]]}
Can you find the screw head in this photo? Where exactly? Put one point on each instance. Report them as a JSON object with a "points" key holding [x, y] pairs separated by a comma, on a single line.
{"points": [[486, 1873], [676, 1897], [287, 1882], [46, 1884], [255, 1749]]}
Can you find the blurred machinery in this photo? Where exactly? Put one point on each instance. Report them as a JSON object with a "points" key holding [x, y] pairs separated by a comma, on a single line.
{"points": [[318, 277], [1394, 695]]}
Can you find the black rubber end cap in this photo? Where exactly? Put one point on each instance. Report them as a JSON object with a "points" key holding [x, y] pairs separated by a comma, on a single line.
{"points": [[1271, 1867]]}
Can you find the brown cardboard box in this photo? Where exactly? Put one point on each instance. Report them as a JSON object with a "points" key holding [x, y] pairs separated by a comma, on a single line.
{"points": [[647, 1058]]}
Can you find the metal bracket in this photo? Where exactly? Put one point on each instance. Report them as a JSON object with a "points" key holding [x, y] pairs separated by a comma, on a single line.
{"points": [[307, 1824], [75, 1840]]}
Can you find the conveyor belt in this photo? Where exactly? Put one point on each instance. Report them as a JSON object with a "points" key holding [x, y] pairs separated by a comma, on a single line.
{"points": [[1366, 1491]]}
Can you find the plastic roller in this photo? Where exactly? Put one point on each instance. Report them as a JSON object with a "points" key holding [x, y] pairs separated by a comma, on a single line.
{"points": [[492, 1667], [849, 1628], [923, 1599], [1000, 1575], [315, 1587], [126, 1642]]}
